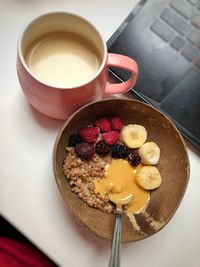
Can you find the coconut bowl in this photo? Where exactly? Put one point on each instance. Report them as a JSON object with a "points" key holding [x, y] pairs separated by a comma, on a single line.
{"points": [[173, 166]]}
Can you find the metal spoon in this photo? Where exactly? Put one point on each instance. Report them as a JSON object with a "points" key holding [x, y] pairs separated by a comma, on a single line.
{"points": [[116, 240]]}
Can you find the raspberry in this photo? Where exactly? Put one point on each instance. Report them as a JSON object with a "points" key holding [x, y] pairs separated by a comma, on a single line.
{"points": [[116, 124], [120, 151], [96, 129], [74, 139], [103, 124], [134, 159], [85, 151], [89, 134], [111, 137], [102, 148]]}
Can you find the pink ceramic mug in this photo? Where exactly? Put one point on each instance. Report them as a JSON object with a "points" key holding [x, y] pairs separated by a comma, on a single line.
{"points": [[60, 102]]}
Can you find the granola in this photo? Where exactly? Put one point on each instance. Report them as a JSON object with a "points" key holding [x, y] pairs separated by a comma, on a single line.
{"points": [[80, 175]]}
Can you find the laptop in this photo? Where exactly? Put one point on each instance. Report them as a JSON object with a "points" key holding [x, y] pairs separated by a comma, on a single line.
{"points": [[163, 36]]}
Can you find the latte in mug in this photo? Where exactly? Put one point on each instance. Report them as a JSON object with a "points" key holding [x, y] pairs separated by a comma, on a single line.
{"points": [[63, 63], [62, 59]]}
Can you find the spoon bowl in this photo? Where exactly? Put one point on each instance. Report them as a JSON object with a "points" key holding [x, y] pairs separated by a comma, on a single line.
{"points": [[122, 201]]}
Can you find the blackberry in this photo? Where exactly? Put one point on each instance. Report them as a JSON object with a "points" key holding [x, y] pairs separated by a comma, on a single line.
{"points": [[85, 150], [74, 139], [120, 151], [102, 148], [134, 158]]}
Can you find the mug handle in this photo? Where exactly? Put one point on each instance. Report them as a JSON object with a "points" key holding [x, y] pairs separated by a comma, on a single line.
{"points": [[124, 62]]}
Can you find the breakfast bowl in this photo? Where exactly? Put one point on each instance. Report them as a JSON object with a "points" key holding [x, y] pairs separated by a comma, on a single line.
{"points": [[173, 166]]}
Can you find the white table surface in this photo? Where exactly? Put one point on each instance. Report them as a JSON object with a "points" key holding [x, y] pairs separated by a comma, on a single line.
{"points": [[29, 198]]}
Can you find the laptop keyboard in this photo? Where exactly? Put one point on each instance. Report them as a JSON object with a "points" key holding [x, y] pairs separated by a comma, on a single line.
{"points": [[176, 21], [179, 25]]}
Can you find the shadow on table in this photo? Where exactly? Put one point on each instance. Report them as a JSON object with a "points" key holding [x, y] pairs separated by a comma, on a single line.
{"points": [[44, 121], [100, 247], [90, 237], [192, 147]]}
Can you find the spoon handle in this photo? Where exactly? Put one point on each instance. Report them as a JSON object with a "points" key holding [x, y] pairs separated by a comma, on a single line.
{"points": [[116, 242]]}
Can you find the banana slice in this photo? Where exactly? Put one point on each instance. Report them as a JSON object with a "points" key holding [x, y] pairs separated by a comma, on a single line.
{"points": [[148, 177], [149, 153], [133, 135]]}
